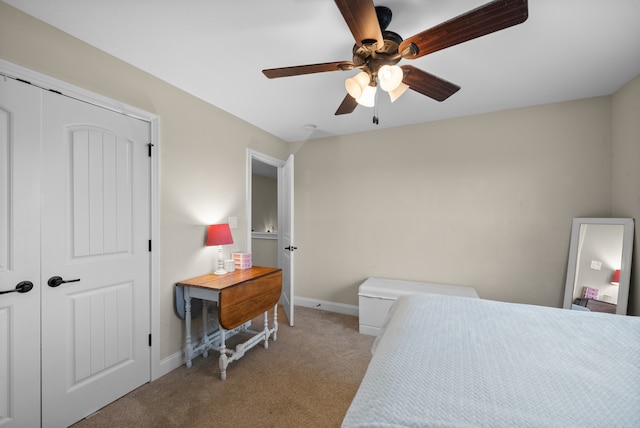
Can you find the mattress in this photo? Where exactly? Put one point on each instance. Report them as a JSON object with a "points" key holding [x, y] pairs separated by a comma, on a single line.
{"points": [[449, 361]]}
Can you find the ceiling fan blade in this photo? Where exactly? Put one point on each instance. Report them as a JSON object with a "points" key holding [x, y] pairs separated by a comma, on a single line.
{"points": [[347, 106], [360, 16], [486, 19], [428, 84], [297, 70]]}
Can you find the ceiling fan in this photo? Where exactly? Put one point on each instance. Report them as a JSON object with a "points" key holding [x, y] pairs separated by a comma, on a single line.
{"points": [[377, 51]]}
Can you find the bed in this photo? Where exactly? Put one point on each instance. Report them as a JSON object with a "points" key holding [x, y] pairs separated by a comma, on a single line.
{"points": [[449, 361]]}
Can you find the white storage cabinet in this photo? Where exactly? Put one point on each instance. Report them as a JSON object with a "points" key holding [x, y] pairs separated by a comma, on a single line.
{"points": [[376, 295]]}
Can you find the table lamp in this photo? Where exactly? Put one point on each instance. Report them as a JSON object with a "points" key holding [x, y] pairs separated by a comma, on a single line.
{"points": [[615, 280], [219, 234]]}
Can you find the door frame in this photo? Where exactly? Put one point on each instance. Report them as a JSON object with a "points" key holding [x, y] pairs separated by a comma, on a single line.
{"points": [[279, 164], [269, 160], [66, 89]]}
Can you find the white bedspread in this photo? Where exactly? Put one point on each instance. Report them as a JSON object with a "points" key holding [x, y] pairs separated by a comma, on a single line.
{"points": [[447, 361]]}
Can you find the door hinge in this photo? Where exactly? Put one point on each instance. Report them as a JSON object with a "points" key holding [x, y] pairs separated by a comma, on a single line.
{"points": [[149, 339], [149, 146], [149, 245]]}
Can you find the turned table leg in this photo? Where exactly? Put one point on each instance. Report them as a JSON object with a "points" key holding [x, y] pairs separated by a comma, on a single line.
{"points": [[187, 323], [266, 330], [205, 314], [275, 322], [223, 362]]}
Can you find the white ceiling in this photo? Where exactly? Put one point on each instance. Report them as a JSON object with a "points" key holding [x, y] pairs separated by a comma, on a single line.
{"points": [[215, 50]]}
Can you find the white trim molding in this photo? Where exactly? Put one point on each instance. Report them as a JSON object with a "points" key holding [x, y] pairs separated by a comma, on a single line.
{"points": [[324, 305]]}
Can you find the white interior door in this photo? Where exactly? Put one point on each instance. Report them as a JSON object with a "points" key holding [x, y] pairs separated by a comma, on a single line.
{"points": [[19, 254], [95, 234], [285, 184], [285, 222]]}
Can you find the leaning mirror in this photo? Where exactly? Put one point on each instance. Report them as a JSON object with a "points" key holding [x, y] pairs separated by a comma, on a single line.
{"points": [[599, 265]]}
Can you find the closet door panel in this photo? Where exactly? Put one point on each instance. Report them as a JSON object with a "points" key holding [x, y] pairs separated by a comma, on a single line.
{"points": [[20, 165], [95, 230]]}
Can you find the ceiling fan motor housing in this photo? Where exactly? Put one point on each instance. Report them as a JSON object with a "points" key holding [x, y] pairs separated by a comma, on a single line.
{"points": [[384, 16], [371, 60]]}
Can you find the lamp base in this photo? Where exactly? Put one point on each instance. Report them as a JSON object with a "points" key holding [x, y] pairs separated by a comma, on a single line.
{"points": [[220, 270]]}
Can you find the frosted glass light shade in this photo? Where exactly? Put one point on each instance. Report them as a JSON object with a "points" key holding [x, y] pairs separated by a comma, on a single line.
{"points": [[390, 77], [395, 94], [356, 85], [368, 97]]}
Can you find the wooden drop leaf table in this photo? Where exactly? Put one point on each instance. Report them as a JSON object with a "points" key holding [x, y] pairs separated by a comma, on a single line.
{"points": [[241, 296]]}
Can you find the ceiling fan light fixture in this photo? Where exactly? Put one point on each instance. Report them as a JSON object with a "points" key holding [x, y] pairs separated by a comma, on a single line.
{"points": [[377, 51], [397, 92], [357, 84], [368, 97], [390, 77]]}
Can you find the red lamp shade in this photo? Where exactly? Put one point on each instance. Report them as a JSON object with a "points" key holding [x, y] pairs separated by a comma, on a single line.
{"points": [[616, 277], [219, 234]]}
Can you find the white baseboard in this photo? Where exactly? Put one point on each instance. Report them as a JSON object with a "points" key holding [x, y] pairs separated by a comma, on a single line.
{"points": [[340, 308], [172, 362], [369, 330]]}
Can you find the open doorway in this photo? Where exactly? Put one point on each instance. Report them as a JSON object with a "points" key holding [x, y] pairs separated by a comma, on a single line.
{"points": [[270, 218], [264, 213]]}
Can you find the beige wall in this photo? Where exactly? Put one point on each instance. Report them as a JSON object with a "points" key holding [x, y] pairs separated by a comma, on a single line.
{"points": [[264, 252], [264, 217], [264, 203], [485, 201], [626, 173], [202, 149]]}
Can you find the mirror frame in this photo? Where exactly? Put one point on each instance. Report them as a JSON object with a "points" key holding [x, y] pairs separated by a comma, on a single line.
{"points": [[625, 263]]}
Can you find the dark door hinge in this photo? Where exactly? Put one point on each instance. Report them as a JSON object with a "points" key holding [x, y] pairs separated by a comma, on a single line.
{"points": [[149, 146], [149, 245], [149, 339]]}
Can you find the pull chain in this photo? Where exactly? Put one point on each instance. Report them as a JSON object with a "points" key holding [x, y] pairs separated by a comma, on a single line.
{"points": [[376, 121]]}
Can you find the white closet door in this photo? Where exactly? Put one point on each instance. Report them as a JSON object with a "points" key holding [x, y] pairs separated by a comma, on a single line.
{"points": [[95, 229], [19, 254]]}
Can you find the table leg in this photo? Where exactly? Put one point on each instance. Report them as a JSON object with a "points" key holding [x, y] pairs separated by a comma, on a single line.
{"points": [[187, 323], [266, 329], [205, 313], [223, 362], [275, 322]]}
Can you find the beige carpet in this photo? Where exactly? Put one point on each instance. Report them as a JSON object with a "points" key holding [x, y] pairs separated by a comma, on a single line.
{"points": [[307, 378]]}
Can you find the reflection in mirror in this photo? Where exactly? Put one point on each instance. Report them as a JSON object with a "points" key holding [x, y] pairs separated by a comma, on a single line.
{"points": [[599, 265]]}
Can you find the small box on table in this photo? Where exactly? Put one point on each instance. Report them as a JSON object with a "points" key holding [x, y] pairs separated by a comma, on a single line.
{"points": [[242, 260], [589, 293]]}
